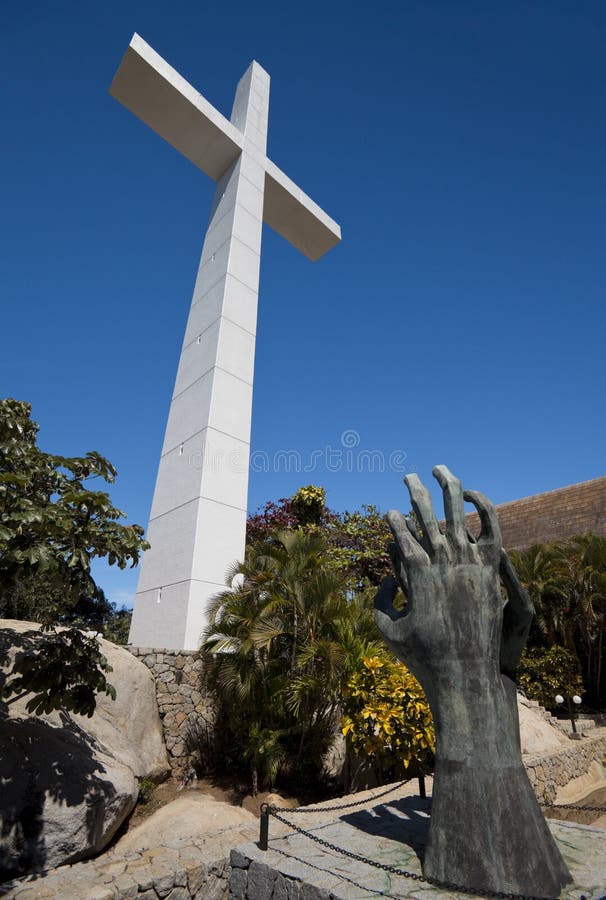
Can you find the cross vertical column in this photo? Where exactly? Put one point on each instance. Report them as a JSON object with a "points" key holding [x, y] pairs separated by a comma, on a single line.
{"points": [[197, 526]]}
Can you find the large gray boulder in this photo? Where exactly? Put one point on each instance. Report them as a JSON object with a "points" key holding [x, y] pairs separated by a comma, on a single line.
{"points": [[68, 782], [191, 817], [539, 735]]}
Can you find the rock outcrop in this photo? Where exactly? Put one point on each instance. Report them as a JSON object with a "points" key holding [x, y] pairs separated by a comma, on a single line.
{"points": [[539, 734], [67, 781], [191, 817]]}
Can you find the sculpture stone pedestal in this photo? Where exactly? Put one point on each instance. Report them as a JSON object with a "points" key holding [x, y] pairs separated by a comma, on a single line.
{"points": [[389, 828]]}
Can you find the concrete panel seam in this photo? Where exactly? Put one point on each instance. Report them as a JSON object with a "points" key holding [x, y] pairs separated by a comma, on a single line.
{"points": [[214, 321], [201, 431], [225, 275], [200, 377], [196, 500], [168, 584], [234, 206], [221, 369], [248, 247]]}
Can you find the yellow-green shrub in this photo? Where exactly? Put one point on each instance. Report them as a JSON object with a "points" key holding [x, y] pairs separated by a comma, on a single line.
{"points": [[386, 717]]}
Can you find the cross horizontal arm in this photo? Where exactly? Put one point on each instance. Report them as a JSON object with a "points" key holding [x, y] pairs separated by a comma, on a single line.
{"points": [[164, 100], [295, 216], [151, 89]]}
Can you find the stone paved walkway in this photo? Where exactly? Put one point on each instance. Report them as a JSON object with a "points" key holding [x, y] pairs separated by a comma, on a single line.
{"points": [[390, 830]]}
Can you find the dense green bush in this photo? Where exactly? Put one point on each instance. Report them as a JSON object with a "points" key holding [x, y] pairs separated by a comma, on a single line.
{"points": [[386, 717], [544, 673]]}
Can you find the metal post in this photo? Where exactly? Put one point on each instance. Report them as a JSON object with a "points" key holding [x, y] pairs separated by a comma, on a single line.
{"points": [[263, 827], [571, 713], [422, 791]]}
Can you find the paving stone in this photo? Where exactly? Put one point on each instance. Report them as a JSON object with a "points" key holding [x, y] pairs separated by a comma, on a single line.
{"points": [[144, 878], [163, 884], [260, 881], [179, 893], [214, 889], [196, 877], [217, 867], [180, 878], [29, 893], [310, 892], [127, 887], [238, 860], [238, 883], [115, 868], [293, 889], [99, 893], [280, 891]]}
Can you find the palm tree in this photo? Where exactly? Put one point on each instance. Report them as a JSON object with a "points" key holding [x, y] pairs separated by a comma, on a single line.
{"points": [[567, 584], [279, 643], [543, 571], [587, 575]]}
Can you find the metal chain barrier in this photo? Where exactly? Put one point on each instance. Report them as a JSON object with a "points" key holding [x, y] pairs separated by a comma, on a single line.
{"points": [[404, 873], [321, 809], [277, 811], [572, 806]]}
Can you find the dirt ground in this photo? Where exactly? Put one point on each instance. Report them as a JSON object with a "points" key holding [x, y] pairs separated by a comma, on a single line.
{"points": [[581, 817], [220, 789], [224, 790]]}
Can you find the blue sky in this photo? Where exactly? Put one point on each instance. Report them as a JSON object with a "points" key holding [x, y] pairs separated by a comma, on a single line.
{"points": [[461, 146]]}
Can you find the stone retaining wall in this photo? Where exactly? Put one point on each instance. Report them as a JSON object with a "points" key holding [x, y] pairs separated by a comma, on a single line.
{"points": [[548, 773], [185, 712], [183, 709], [177, 870]]}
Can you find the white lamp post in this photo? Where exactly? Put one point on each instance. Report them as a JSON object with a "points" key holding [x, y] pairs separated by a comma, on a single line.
{"points": [[559, 699]]}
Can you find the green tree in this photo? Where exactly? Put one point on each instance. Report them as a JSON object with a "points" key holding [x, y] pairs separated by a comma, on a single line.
{"points": [[543, 673], [309, 505], [280, 643], [567, 583], [357, 542], [586, 558], [543, 571], [117, 627], [52, 525]]}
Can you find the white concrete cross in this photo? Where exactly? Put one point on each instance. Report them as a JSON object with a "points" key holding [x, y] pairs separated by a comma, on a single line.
{"points": [[197, 525]]}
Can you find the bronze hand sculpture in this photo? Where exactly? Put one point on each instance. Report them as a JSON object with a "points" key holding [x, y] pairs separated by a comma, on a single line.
{"points": [[463, 643]]}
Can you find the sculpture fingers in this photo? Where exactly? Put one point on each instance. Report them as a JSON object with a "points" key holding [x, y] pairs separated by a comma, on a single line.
{"points": [[384, 598], [517, 617], [398, 565], [432, 540], [454, 510], [392, 623], [490, 532], [516, 593], [412, 527], [409, 549]]}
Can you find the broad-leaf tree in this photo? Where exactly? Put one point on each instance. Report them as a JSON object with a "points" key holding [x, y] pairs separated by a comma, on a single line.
{"points": [[52, 525]]}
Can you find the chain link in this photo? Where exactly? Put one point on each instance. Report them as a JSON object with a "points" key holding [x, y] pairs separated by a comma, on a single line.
{"points": [[321, 809], [395, 870], [572, 806], [276, 811]]}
